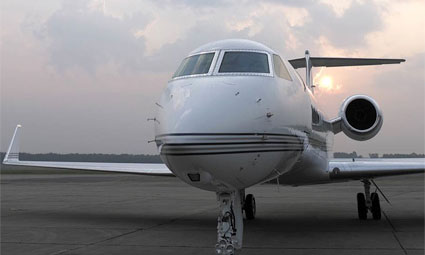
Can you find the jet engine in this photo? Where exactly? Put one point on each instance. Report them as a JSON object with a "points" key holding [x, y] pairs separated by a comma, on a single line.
{"points": [[361, 117]]}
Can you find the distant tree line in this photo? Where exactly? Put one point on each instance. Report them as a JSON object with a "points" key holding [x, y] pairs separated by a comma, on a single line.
{"points": [[143, 158], [347, 155], [397, 155], [376, 155]]}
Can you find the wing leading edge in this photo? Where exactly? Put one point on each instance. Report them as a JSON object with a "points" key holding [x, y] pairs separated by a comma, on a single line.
{"points": [[369, 168], [12, 158]]}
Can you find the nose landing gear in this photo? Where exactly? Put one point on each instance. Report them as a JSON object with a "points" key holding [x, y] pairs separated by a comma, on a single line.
{"points": [[230, 220], [368, 202], [229, 223]]}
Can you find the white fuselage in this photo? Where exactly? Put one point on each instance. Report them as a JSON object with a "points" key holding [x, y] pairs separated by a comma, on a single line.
{"points": [[236, 131]]}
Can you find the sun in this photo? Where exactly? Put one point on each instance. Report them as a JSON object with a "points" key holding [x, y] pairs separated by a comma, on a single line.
{"points": [[326, 83]]}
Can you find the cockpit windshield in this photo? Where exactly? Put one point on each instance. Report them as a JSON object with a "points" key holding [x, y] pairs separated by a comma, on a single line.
{"points": [[196, 64], [244, 62]]}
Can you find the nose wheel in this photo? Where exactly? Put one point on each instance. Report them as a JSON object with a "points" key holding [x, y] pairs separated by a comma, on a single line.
{"points": [[368, 202], [250, 207]]}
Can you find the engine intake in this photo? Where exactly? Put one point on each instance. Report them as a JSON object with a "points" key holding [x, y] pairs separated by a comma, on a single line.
{"points": [[361, 117]]}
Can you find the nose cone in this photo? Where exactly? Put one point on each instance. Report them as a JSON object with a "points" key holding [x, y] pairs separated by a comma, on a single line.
{"points": [[211, 105]]}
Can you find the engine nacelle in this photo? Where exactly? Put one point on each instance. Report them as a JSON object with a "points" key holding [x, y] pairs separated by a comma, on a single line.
{"points": [[361, 117]]}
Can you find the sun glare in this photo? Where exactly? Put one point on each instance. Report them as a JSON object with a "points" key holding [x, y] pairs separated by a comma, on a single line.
{"points": [[326, 83]]}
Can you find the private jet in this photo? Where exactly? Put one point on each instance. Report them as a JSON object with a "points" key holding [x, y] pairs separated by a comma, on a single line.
{"points": [[236, 114]]}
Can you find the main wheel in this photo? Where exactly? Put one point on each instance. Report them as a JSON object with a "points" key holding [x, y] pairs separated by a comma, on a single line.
{"points": [[376, 207], [249, 207], [361, 206]]}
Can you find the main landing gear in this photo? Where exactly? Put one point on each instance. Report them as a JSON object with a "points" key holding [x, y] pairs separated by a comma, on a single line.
{"points": [[368, 202], [230, 220], [249, 207]]}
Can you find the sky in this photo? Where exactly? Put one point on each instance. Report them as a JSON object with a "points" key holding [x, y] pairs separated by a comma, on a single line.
{"points": [[84, 75]]}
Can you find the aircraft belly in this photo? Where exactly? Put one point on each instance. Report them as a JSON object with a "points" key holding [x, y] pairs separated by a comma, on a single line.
{"points": [[220, 172], [228, 161]]}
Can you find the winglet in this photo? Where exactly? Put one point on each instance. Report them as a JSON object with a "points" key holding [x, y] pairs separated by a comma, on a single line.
{"points": [[12, 154]]}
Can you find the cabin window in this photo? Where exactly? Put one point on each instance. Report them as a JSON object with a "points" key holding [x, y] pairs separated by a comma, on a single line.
{"points": [[244, 62], [196, 64], [280, 68]]}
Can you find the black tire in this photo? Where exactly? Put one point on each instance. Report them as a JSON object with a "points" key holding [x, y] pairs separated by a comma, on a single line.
{"points": [[249, 207], [361, 206], [376, 207]]}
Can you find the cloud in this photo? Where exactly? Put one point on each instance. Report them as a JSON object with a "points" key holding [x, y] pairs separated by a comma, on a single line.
{"points": [[347, 30], [338, 7], [403, 30], [87, 34], [78, 35]]}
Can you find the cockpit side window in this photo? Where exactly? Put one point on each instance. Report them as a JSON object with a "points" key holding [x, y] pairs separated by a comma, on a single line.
{"points": [[280, 68], [244, 62], [196, 64]]}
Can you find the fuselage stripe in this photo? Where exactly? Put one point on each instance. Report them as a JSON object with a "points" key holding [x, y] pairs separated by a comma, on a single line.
{"points": [[231, 143], [165, 149], [230, 152], [225, 134]]}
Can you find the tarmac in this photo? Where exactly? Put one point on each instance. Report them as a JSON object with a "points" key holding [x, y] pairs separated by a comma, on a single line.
{"points": [[129, 214]]}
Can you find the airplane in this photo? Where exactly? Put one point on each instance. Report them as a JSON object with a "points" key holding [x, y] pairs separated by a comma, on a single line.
{"points": [[236, 114]]}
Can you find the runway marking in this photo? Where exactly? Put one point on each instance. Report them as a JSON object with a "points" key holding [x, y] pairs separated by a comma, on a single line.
{"points": [[394, 232]]}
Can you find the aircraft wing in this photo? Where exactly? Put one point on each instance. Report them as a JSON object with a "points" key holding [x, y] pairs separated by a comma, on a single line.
{"points": [[369, 168], [12, 158], [334, 62]]}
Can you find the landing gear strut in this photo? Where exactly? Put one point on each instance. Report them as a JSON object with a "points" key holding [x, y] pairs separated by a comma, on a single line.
{"points": [[229, 223], [368, 202]]}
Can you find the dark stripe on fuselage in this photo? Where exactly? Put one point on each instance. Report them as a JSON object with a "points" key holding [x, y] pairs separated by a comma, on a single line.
{"points": [[318, 143], [227, 143], [225, 134], [230, 143], [229, 152], [181, 149]]}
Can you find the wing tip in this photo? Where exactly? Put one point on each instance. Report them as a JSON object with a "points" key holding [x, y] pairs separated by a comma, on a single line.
{"points": [[12, 154]]}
